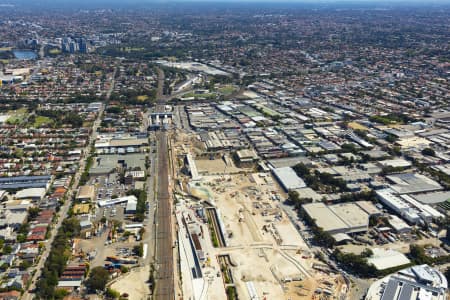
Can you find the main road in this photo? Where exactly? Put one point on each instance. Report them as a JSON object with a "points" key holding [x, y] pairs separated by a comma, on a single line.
{"points": [[69, 195], [64, 209]]}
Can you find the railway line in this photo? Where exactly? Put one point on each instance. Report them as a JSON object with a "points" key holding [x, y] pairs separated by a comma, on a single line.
{"points": [[165, 286], [216, 229]]}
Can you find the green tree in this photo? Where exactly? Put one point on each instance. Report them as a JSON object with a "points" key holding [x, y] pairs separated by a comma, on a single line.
{"points": [[7, 249], [417, 254], [139, 250], [112, 294], [33, 212], [98, 278], [24, 265], [61, 293], [428, 152]]}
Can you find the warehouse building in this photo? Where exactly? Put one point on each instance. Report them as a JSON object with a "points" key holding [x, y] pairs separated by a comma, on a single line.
{"points": [[86, 193], [106, 164], [433, 198], [131, 206], [288, 179], [23, 182], [246, 157], [111, 202], [34, 194], [399, 225], [356, 218], [407, 207], [402, 208], [192, 167], [383, 259], [339, 218], [410, 183], [369, 208], [131, 144]]}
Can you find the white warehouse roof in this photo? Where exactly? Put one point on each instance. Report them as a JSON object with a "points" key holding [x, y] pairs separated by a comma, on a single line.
{"points": [[30, 193], [325, 218], [384, 259], [288, 178], [108, 202]]}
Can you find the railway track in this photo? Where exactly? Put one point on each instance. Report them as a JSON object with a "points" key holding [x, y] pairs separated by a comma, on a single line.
{"points": [[165, 285], [212, 216]]}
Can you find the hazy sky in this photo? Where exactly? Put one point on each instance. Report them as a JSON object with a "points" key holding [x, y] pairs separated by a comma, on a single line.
{"points": [[131, 3], [223, 1]]}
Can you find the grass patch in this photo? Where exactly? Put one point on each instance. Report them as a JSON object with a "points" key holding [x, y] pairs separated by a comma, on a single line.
{"points": [[227, 90], [132, 49], [54, 51], [41, 120], [17, 116], [200, 96], [87, 124], [142, 98], [267, 111]]}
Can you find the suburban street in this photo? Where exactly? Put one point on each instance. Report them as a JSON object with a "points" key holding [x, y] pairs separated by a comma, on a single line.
{"points": [[64, 209]]}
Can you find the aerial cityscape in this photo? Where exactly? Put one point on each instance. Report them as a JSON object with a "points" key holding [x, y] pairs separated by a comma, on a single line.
{"points": [[224, 150]]}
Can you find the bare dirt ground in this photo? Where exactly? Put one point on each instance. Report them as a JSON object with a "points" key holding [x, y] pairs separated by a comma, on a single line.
{"points": [[134, 283], [216, 166]]}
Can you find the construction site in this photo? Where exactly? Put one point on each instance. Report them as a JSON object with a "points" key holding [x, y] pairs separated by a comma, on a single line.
{"points": [[235, 239]]}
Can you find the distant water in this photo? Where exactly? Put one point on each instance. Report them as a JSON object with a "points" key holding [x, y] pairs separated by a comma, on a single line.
{"points": [[24, 54]]}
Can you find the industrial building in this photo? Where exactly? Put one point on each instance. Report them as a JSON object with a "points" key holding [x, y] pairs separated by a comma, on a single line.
{"points": [[409, 183], [399, 225], [433, 198], [86, 193], [246, 157], [407, 207], [356, 218], [369, 208], [106, 164], [338, 218], [383, 259], [34, 194], [288, 179], [111, 202], [108, 144], [417, 282], [131, 206], [23, 182]]}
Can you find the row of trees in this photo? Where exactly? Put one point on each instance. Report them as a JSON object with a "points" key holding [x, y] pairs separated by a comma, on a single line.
{"points": [[392, 118], [57, 259], [59, 118], [321, 237], [296, 200], [357, 264], [320, 181], [418, 256], [135, 97], [141, 205]]}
